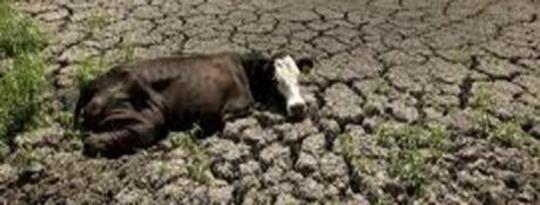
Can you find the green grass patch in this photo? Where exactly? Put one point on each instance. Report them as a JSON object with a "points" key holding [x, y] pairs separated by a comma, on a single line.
{"points": [[484, 101], [411, 150], [21, 89], [23, 80], [21, 102], [18, 33]]}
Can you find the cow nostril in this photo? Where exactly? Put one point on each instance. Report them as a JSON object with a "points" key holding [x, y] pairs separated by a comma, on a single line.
{"points": [[297, 109]]}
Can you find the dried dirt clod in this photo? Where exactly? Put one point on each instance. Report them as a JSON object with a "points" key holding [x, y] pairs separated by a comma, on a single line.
{"points": [[306, 163]]}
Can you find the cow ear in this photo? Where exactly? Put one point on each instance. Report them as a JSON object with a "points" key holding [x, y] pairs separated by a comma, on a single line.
{"points": [[305, 64]]}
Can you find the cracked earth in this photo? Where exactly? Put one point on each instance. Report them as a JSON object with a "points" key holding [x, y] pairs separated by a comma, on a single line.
{"points": [[410, 62]]}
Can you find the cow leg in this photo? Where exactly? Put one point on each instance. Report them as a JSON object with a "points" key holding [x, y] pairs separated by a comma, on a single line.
{"points": [[147, 127], [233, 109], [237, 107], [119, 116]]}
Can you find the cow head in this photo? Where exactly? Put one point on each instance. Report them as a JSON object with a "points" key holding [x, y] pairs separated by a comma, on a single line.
{"points": [[99, 96], [286, 73], [277, 78]]}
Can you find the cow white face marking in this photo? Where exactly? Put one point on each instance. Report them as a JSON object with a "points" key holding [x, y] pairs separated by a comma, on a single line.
{"points": [[286, 75]]}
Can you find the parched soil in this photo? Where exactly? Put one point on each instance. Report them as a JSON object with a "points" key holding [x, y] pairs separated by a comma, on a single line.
{"points": [[412, 62]]}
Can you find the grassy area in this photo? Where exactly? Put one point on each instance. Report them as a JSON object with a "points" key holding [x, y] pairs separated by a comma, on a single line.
{"points": [[411, 151], [510, 134], [18, 33], [21, 88], [24, 82], [507, 133]]}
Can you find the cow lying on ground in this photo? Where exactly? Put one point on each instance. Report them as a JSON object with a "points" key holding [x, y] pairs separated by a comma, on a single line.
{"points": [[134, 105]]}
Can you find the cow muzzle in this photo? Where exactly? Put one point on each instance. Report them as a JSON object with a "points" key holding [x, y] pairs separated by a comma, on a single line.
{"points": [[296, 107]]}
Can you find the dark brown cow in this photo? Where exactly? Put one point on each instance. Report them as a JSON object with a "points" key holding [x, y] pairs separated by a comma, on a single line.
{"points": [[134, 105]]}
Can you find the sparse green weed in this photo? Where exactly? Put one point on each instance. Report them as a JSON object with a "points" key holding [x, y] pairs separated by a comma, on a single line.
{"points": [[438, 104], [362, 164], [126, 54], [411, 137], [65, 119], [411, 150], [382, 87], [198, 160], [508, 133], [349, 146], [162, 168], [511, 134], [27, 158], [484, 101], [410, 168], [365, 165], [96, 22], [440, 139], [89, 69]]}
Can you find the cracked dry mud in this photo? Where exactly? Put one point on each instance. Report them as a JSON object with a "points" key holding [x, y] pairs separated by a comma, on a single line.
{"points": [[378, 62]]}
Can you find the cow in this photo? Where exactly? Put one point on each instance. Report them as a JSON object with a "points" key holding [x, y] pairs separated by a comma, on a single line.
{"points": [[134, 105]]}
